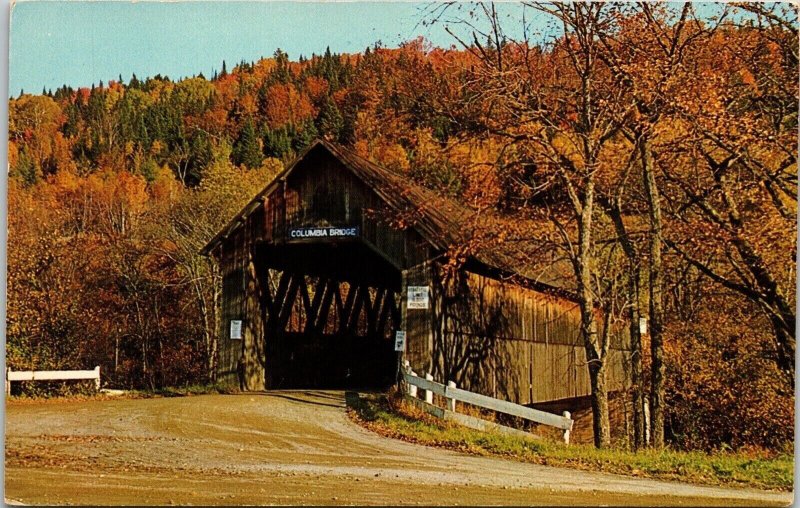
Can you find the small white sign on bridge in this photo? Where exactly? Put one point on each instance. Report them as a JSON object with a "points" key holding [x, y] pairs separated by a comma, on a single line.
{"points": [[236, 328], [418, 297], [399, 340]]}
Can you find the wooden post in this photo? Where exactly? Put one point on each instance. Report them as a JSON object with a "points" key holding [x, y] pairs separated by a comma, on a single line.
{"points": [[403, 322], [412, 389], [566, 414], [451, 402], [97, 380], [429, 393], [404, 369], [8, 382]]}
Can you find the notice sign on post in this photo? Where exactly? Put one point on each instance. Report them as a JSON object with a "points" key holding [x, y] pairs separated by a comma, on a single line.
{"points": [[399, 340], [418, 297], [236, 328]]}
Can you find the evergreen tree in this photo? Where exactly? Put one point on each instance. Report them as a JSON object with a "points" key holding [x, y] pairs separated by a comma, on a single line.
{"points": [[202, 155], [246, 150], [305, 135], [149, 169], [61, 93], [70, 127], [347, 134], [278, 143], [281, 73], [25, 169], [330, 121]]}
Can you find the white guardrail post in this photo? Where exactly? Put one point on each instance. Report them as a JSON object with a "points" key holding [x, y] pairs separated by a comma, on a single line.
{"points": [[412, 389], [566, 414], [451, 402], [429, 393]]}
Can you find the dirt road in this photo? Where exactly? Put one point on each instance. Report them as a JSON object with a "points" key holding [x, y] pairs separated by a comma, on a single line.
{"points": [[292, 447]]}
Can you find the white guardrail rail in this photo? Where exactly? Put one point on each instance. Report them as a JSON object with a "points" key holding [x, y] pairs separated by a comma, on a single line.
{"points": [[51, 375], [452, 393]]}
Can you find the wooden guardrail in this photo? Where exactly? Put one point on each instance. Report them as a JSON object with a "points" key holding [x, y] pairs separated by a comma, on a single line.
{"points": [[51, 375], [452, 393]]}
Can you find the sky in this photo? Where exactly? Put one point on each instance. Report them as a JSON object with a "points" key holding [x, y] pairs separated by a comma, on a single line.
{"points": [[80, 43]]}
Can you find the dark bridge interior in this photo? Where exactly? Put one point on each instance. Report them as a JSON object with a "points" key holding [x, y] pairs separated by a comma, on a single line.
{"points": [[331, 312]]}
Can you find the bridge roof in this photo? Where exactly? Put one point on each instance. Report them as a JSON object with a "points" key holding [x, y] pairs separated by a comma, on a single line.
{"points": [[440, 220]]}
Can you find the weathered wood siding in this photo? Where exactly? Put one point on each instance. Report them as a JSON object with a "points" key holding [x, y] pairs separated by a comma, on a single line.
{"points": [[241, 361], [233, 286], [511, 342], [418, 323], [321, 192]]}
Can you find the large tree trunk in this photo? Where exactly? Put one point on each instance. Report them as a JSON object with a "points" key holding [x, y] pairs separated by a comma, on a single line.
{"points": [[597, 378], [656, 285], [595, 352], [637, 384]]}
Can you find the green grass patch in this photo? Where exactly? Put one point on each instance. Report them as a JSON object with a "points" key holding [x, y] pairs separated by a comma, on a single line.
{"points": [[77, 393], [393, 418]]}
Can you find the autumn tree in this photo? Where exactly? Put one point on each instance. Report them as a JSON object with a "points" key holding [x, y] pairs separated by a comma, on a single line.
{"points": [[565, 121]]}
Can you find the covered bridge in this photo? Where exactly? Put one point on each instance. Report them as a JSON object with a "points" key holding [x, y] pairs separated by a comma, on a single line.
{"points": [[336, 254]]}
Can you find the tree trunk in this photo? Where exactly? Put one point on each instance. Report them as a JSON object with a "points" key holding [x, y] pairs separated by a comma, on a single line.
{"points": [[215, 308], [633, 313], [600, 420], [595, 353], [207, 331], [637, 384], [656, 285]]}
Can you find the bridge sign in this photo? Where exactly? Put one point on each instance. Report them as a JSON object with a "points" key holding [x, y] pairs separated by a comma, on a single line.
{"points": [[399, 340], [418, 297]]}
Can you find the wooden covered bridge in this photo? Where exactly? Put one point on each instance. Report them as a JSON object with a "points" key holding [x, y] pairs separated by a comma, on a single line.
{"points": [[336, 254]]}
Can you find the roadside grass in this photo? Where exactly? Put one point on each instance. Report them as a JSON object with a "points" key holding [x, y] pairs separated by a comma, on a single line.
{"points": [[392, 417], [79, 392]]}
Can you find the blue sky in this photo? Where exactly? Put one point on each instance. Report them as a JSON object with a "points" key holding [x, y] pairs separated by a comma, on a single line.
{"points": [[80, 43]]}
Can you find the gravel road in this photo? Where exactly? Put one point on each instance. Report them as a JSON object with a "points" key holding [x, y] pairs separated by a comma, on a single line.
{"points": [[287, 447]]}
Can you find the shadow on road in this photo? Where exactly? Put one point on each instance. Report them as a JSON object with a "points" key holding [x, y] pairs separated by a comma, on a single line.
{"points": [[304, 400], [315, 397]]}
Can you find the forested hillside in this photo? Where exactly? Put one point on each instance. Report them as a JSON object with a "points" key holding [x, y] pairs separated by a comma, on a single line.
{"points": [[655, 152]]}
